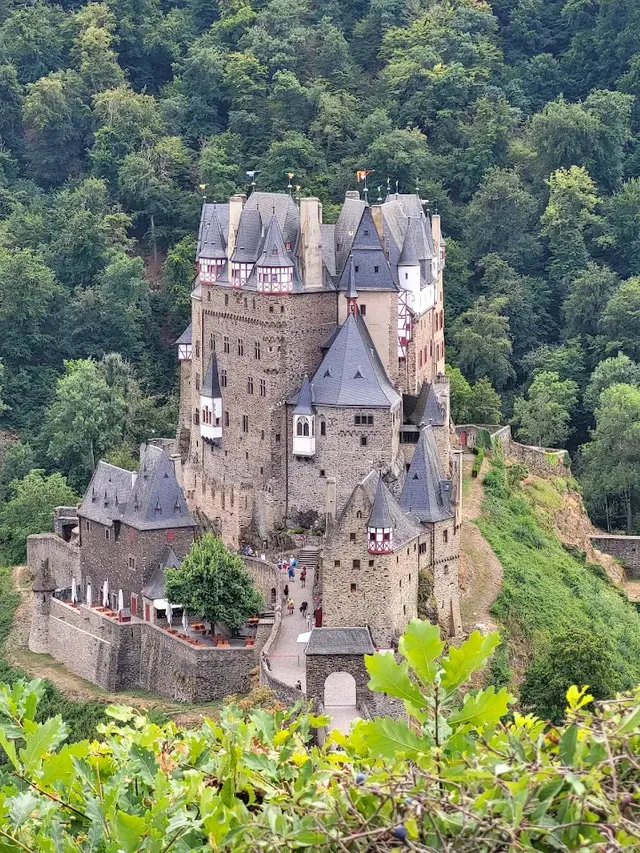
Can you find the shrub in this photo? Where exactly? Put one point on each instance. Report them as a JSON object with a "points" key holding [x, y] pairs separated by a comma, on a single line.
{"points": [[477, 465]]}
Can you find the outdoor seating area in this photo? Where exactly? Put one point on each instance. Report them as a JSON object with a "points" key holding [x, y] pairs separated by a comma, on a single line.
{"points": [[199, 634]]}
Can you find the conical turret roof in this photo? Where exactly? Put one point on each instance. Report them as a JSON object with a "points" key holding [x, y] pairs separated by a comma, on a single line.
{"points": [[380, 514], [211, 382], [305, 399], [409, 254], [212, 241], [274, 253], [424, 492]]}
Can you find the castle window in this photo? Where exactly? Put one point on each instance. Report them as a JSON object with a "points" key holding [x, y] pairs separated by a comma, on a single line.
{"points": [[257, 352], [270, 309], [446, 570], [353, 587], [87, 526], [263, 387], [363, 441], [246, 456], [441, 318], [212, 343], [409, 577], [223, 378], [420, 359], [107, 533], [226, 299], [226, 346], [356, 564], [132, 562], [196, 417], [254, 303], [246, 302], [282, 309], [323, 428], [352, 537], [423, 548], [431, 348], [357, 268], [197, 349], [262, 434], [336, 563], [261, 470], [406, 275], [226, 418], [400, 586], [376, 269], [245, 423], [250, 385], [445, 536], [322, 472], [277, 436], [404, 609], [359, 514], [197, 381], [208, 296], [363, 310], [240, 346]]}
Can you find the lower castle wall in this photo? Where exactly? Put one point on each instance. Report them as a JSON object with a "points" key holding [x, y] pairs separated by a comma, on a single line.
{"points": [[266, 578], [623, 548], [64, 559], [542, 461]]}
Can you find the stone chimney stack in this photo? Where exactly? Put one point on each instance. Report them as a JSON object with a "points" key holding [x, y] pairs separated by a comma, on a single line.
{"points": [[177, 468], [236, 203], [311, 242], [330, 503]]}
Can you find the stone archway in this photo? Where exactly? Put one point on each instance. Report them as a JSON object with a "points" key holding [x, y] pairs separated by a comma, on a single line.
{"points": [[339, 690]]}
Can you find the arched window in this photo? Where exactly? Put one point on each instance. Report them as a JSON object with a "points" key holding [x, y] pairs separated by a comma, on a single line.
{"points": [[305, 427], [299, 428], [359, 514]]}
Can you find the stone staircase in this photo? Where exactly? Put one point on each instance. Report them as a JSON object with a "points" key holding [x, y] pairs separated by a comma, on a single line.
{"points": [[308, 558]]}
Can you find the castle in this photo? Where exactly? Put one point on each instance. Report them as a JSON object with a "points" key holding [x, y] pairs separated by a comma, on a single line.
{"points": [[313, 394]]}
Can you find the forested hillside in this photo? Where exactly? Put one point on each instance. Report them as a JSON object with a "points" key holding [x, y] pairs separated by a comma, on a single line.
{"points": [[517, 120]]}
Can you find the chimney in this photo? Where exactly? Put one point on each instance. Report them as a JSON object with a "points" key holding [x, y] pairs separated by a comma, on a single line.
{"points": [[311, 243], [236, 203], [435, 231], [177, 467], [330, 503]]}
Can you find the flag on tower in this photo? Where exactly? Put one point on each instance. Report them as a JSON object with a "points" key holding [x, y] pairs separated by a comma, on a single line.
{"points": [[361, 174]]}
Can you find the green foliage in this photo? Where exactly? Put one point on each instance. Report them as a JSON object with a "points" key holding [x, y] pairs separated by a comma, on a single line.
{"points": [[545, 413], [30, 510], [547, 593], [213, 584], [477, 463], [455, 776]]}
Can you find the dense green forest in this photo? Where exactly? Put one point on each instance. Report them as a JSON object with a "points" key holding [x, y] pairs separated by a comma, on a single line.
{"points": [[517, 119]]}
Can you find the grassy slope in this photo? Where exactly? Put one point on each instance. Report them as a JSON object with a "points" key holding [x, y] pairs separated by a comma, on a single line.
{"points": [[546, 588]]}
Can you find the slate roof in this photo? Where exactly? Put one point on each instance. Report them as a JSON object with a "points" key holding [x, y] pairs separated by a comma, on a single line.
{"points": [[154, 588], [402, 213], [428, 408], [380, 514], [211, 382], [247, 244], [304, 405], [328, 233], [351, 373], [185, 337], [280, 205], [371, 267], [405, 526], [409, 254], [212, 242], [340, 641], [273, 252], [426, 493], [346, 227], [150, 499]]}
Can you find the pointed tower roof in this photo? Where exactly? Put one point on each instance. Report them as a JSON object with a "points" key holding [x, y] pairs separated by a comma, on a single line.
{"points": [[426, 492], [212, 242], [380, 514], [247, 241], [211, 381], [351, 292], [185, 337], [428, 408], [305, 399], [273, 252], [351, 373], [371, 267], [409, 254]]}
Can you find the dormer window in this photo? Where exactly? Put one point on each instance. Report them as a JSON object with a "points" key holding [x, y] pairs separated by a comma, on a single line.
{"points": [[274, 251]]}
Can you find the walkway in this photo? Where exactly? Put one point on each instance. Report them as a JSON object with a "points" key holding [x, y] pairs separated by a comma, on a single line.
{"points": [[287, 655], [340, 688]]}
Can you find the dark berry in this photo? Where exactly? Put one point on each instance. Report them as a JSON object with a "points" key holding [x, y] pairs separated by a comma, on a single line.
{"points": [[361, 779], [400, 832]]}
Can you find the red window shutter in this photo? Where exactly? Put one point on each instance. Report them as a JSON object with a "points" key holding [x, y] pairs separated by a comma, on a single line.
{"points": [[171, 534], [132, 535]]}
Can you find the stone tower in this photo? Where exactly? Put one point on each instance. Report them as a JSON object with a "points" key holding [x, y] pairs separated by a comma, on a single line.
{"points": [[43, 588]]}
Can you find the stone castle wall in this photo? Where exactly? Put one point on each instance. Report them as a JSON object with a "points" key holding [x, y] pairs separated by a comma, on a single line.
{"points": [[623, 548], [64, 558], [541, 461], [266, 578], [117, 656]]}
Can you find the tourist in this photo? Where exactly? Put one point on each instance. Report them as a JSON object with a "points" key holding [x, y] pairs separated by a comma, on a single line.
{"points": [[290, 606], [291, 573], [299, 685], [303, 578], [285, 591], [303, 608]]}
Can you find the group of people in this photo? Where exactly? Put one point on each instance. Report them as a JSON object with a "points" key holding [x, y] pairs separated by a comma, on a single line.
{"points": [[291, 605]]}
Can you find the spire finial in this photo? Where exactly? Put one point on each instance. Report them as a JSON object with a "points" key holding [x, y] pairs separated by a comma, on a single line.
{"points": [[252, 174], [352, 293], [379, 199], [290, 175], [397, 185], [388, 185]]}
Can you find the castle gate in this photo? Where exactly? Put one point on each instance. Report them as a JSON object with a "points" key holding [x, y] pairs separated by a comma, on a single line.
{"points": [[335, 670]]}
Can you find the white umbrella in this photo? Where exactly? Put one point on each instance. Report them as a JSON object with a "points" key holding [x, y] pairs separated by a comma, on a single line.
{"points": [[105, 593], [120, 600], [185, 619], [304, 638], [169, 613], [89, 600], [74, 591]]}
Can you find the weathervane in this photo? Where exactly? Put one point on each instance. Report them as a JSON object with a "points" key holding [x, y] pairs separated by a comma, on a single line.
{"points": [[203, 190], [252, 174], [290, 175], [379, 199], [361, 175]]}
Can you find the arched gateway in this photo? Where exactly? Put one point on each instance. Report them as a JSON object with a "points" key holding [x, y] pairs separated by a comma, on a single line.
{"points": [[335, 666]]}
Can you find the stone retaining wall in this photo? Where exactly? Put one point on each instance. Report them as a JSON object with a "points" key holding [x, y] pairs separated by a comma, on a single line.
{"points": [[287, 694], [266, 578], [623, 548], [542, 461]]}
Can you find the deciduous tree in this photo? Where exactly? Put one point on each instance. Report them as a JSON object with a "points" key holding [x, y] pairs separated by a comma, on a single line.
{"points": [[544, 415]]}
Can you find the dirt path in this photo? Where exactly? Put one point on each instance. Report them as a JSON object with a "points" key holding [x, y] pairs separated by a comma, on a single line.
{"points": [[481, 569]]}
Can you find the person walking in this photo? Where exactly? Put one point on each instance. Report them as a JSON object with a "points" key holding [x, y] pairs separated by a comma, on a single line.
{"points": [[291, 573], [303, 578], [285, 591], [290, 606], [303, 608]]}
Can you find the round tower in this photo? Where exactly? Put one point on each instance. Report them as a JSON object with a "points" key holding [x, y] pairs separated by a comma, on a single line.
{"points": [[43, 588]]}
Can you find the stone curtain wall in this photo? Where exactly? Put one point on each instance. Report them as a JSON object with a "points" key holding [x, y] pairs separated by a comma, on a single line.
{"points": [[266, 577], [64, 559], [623, 548], [542, 461]]}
